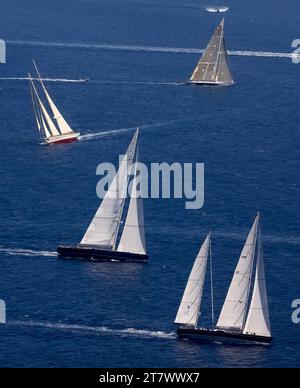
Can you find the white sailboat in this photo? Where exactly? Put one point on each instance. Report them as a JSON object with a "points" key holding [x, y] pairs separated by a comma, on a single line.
{"points": [[213, 67], [52, 130], [101, 241], [238, 322]]}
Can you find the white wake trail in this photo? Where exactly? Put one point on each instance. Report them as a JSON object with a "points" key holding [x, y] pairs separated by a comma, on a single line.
{"points": [[26, 252], [138, 83], [43, 79], [265, 54], [102, 330], [155, 49], [91, 136]]}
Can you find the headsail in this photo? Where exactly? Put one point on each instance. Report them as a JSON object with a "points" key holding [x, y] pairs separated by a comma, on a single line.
{"points": [[45, 121], [188, 313], [213, 67], [63, 126], [133, 236], [258, 320], [36, 110], [103, 230], [234, 311], [223, 74]]}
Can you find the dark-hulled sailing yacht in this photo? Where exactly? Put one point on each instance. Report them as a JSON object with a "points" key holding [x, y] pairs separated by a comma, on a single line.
{"points": [[214, 68], [238, 323], [101, 241]]}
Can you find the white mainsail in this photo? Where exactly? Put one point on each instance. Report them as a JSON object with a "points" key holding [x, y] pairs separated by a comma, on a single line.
{"points": [[213, 66], [258, 321], [188, 313], [63, 126], [233, 315], [46, 123], [103, 230], [133, 236]]}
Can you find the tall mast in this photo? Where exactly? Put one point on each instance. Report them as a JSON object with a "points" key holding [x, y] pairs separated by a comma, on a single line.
{"points": [[212, 286], [63, 126], [133, 236]]}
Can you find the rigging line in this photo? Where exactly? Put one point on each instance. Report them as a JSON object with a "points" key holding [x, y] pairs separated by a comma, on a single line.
{"points": [[212, 287], [47, 94], [41, 109], [34, 103]]}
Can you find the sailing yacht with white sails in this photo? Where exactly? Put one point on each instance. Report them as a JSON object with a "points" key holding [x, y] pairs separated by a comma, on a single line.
{"points": [[52, 130], [102, 240], [238, 322], [214, 68]]}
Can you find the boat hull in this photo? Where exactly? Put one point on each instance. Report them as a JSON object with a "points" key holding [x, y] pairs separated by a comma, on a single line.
{"points": [[100, 255], [62, 139], [208, 336], [207, 83]]}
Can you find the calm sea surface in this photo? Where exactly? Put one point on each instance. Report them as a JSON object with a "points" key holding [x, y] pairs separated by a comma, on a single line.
{"points": [[74, 314]]}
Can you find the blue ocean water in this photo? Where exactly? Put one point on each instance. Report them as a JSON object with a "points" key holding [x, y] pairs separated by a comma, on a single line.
{"points": [[74, 314]]}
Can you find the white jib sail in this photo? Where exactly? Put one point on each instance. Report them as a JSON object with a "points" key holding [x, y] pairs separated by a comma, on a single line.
{"points": [[44, 127], [234, 311], [133, 236], [258, 321], [189, 310], [51, 129], [61, 122], [103, 229]]}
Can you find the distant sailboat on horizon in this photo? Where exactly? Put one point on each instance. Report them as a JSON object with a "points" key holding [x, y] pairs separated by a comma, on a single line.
{"points": [[52, 131], [213, 67], [101, 241], [238, 322]]}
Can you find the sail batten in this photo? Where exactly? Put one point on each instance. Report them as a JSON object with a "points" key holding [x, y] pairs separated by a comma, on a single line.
{"points": [[188, 313], [234, 311], [213, 67], [103, 230]]}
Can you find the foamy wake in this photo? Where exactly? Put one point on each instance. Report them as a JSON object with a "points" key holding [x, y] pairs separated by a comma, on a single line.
{"points": [[157, 49], [91, 136], [138, 83], [43, 79], [26, 252], [102, 330]]}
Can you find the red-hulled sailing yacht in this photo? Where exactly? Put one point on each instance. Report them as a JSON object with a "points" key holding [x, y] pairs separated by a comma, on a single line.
{"points": [[52, 130]]}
